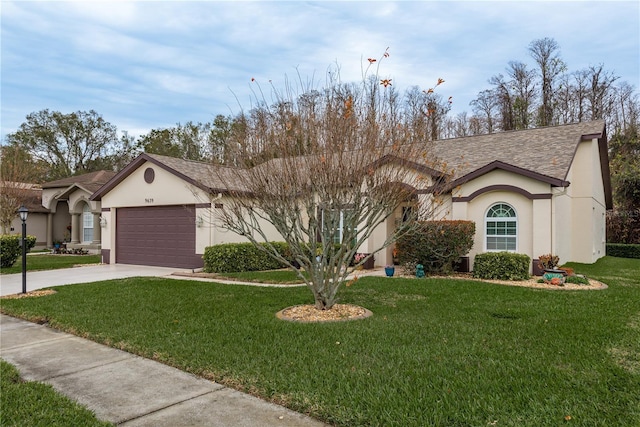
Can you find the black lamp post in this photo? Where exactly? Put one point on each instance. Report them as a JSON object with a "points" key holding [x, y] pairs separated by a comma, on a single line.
{"points": [[24, 212]]}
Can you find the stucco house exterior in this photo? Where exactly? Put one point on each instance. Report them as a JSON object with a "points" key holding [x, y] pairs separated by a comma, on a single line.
{"points": [[37, 218], [71, 216], [534, 191]]}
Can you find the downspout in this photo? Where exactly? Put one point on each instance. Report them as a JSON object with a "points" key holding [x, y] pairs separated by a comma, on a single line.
{"points": [[213, 200], [553, 218]]}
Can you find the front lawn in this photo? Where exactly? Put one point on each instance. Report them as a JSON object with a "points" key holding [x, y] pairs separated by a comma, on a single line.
{"points": [[51, 262], [437, 352], [273, 276]]}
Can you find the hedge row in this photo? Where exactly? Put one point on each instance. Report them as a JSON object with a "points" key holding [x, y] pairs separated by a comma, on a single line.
{"points": [[10, 248], [501, 266], [623, 251], [437, 245], [234, 257]]}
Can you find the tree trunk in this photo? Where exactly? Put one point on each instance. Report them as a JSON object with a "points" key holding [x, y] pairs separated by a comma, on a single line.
{"points": [[322, 302]]}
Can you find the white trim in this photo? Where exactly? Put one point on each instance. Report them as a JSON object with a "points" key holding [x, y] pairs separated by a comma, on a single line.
{"points": [[87, 218], [501, 219]]}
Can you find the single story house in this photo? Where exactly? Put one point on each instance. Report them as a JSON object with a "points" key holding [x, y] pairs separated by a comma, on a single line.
{"points": [[71, 216], [535, 191], [37, 217]]}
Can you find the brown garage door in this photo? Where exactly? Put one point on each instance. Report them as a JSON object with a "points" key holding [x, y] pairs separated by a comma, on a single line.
{"points": [[159, 235]]}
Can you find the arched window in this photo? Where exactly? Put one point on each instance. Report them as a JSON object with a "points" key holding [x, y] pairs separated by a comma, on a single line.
{"points": [[501, 228], [87, 224]]}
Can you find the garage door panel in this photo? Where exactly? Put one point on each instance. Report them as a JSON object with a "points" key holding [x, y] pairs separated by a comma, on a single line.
{"points": [[158, 235]]}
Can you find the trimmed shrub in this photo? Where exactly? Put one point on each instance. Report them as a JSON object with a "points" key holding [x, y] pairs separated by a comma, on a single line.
{"points": [[501, 266], [437, 245], [578, 280], [621, 250], [10, 249], [234, 257]]}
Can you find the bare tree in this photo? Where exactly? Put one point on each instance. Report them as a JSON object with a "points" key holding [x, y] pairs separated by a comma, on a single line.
{"points": [[550, 66], [504, 99], [523, 86], [626, 112], [600, 91], [18, 172], [484, 106], [325, 174]]}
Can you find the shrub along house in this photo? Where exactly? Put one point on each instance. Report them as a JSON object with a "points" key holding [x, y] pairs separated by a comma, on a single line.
{"points": [[534, 192]]}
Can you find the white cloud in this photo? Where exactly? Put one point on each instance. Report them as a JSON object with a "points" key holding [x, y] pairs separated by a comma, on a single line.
{"points": [[152, 64]]}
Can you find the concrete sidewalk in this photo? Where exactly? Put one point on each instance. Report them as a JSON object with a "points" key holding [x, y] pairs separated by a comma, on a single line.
{"points": [[129, 390]]}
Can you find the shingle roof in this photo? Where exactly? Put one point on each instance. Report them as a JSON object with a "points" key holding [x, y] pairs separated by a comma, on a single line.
{"points": [[206, 175], [90, 181], [33, 200], [546, 151], [209, 177]]}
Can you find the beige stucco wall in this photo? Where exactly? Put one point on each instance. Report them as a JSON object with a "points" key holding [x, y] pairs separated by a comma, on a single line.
{"points": [[582, 208], [534, 236], [166, 189], [169, 189], [211, 232], [36, 226], [502, 177], [571, 224], [68, 212]]}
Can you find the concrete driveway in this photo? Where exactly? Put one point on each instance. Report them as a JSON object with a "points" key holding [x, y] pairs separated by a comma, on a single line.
{"points": [[12, 283]]}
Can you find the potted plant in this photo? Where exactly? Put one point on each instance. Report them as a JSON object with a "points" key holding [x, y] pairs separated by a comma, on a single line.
{"points": [[389, 270], [549, 264]]}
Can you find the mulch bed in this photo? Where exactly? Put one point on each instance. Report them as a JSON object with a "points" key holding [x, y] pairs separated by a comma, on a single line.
{"points": [[309, 313], [31, 294], [533, 283]]}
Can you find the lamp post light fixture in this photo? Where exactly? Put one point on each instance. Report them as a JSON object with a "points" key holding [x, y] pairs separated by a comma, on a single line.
{"points": [[24, 212]]}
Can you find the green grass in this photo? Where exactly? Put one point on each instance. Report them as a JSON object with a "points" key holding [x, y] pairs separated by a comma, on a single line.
{"points": [[437, 352], [51, 262], [37, 404], [273, 276]]}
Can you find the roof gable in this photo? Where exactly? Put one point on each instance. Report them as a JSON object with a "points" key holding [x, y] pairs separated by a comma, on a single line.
{"points": [[555, 182], [547, 152], [88, 181], [199, 174]]}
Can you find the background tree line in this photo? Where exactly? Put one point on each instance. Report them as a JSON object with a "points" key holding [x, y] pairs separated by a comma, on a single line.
{"points": [[51, 145]]}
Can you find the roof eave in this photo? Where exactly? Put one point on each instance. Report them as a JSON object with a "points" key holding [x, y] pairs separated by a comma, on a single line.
{"points": [[498, 165], [135, 164]]}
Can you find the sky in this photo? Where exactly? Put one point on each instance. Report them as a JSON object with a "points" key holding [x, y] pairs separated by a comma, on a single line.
{"points": [[148, 65]]}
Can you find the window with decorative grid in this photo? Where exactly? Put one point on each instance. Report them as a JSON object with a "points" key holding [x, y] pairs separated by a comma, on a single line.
{"points": [[501, 228]]}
